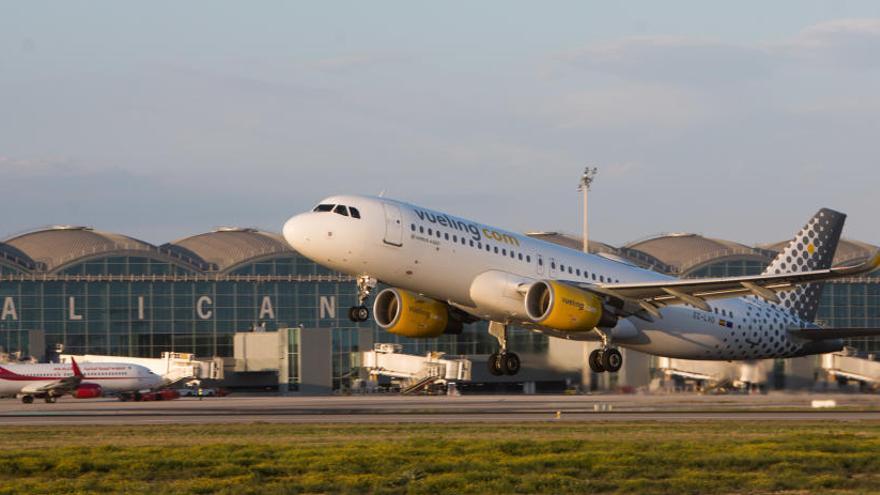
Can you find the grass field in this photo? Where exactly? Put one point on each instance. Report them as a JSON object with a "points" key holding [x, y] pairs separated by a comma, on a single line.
{"points": [[641, 457]]}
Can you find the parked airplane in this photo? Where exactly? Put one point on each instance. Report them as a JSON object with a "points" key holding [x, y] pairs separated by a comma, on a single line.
{"points": [[86, 381], [444, 271]]}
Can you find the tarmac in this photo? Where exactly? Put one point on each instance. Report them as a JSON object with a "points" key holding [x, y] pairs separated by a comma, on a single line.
{"points": [[443, 409]]}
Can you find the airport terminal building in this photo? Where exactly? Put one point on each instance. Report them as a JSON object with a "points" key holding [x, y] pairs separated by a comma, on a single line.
{"points": [[94, 292]]}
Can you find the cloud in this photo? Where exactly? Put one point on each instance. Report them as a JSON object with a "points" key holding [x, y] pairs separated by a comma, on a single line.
{"points": [[674, 59], [851, 43], [626, 106], [693, 61], [347, 64]]}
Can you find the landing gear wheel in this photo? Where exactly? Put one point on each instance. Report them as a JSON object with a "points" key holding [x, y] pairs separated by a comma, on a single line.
{"points": [[596, 361], [510, 363], [612, 360], [27, 399], [358, 313], [49, 399], [495, 364], [362, 313]]}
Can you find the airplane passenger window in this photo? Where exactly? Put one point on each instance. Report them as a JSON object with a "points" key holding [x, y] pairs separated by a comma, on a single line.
{"points": [[562, 267], [412, 227], [529, 260], [503, 252], [512, 255], [601, 278], [355, 213], [421, 229], [496, 249], [341, 210], [472, 243], [578, 271], [553, 265], [454, 238], [430, 231], [569, 269], [594, 276], [439, 234], [446, 235], [323, 208]]}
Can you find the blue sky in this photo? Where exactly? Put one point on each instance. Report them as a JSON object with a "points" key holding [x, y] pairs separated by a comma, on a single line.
{"points": [[165, 119]]}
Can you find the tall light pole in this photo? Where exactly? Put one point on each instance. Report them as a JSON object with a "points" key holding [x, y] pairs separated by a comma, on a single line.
{"points": [[587, 179]]}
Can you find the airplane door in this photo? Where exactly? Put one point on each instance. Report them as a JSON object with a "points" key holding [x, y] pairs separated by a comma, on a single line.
{"points": [[552, 267], [393, 225]]}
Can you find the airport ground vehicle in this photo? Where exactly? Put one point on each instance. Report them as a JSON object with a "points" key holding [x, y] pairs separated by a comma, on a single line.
{"points": [[153, 395], [205, 392]]}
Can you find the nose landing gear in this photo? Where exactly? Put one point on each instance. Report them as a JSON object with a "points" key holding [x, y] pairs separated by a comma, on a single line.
{"points": [[504, 362], [365, 285], [358, 313]]}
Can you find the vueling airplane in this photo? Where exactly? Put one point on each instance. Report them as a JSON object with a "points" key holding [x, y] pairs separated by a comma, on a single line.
{"points": [[443, 271]]}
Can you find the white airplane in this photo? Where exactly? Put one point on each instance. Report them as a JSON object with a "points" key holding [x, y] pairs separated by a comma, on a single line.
{"points": [[444, 271], [86, 381]]}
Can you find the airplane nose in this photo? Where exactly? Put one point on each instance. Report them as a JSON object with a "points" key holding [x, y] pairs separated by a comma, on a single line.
{"points": [[294, 231]]}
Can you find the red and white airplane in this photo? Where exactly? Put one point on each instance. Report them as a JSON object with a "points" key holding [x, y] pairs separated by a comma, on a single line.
{"points": [[90, 380]]}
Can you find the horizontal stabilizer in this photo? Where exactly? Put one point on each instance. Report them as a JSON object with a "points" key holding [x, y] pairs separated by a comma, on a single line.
{"points": [[833, 333]]}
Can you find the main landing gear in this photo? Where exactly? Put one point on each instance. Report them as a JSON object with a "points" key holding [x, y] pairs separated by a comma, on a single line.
{"points": [[365, 285], [607, 358], [503, 362]]}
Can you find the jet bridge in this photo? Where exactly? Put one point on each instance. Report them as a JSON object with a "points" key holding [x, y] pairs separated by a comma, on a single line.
{"points": [[714, 374], [174, 367], [414, 373], [846, 366]]}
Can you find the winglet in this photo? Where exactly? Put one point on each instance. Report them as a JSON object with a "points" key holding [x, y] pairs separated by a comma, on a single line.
{"points": [[76, 371]]}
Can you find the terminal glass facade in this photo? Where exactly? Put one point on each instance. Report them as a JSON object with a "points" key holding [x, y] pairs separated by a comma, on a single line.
{"points": [[853, 304], [145, 303], [729, 268]]}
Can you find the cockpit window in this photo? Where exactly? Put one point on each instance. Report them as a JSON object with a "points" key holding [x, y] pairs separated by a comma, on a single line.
{"points": [[354, 212], [323, 208], [341, 209]]}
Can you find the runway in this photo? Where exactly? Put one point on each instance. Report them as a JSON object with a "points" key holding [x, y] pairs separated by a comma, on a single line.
{"points": [[397, 409]]}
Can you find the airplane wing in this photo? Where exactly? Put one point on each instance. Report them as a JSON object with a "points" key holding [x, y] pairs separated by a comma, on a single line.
{"points": [[833, 333], [62, 385], [650, 296]]}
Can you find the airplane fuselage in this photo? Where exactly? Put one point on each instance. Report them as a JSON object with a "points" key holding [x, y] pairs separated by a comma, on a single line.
{"points": [[478, 269], [112, 377]]}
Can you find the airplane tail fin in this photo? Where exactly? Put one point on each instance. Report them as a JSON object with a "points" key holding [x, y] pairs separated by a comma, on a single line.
{"points": [[812, 248], [76, 371]]}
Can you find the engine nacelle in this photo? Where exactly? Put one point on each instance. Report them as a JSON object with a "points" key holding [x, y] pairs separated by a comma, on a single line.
{"points": [[562, 307], [408, 314], [88, 391]]}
